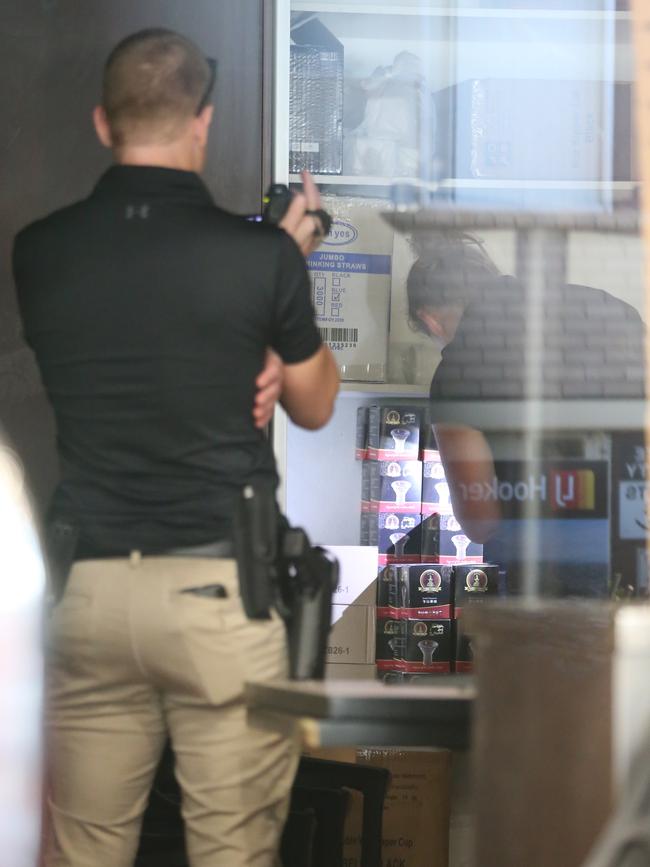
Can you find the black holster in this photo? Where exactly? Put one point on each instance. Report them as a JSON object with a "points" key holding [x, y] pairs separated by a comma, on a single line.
{"points": [[279, 568]]}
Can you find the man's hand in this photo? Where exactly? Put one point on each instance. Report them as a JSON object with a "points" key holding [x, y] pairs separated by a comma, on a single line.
{"points": [[305, 229], [269, 387]]}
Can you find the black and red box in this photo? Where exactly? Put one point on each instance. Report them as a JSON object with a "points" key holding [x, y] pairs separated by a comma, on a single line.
{"points": [[394, 433], [393, 485], [443, 541], [396, 536], [474, 584], [389, 643], [428, 647], [425, 591]]}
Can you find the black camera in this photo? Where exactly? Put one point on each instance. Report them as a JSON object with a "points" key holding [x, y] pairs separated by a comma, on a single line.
{"points": [[276, 203]]}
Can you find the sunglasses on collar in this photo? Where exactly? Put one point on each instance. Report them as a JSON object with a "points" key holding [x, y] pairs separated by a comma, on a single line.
{"points": [[205, 99]]}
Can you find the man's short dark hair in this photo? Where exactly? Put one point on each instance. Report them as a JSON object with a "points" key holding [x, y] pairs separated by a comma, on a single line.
{"points": [[154, 82], [451, 269]]}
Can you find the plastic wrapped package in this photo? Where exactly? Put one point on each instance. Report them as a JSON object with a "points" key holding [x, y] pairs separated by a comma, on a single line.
{"points": [[316, 109]]}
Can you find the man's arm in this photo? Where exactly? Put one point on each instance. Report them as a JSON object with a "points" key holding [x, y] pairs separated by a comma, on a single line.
{"points": [[310, 388], [300, 222], [305, 230], [469, 468], [269, 388]]}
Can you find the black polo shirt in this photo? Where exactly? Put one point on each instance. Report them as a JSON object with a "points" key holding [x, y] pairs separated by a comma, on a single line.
{"points": [[149, 310]]}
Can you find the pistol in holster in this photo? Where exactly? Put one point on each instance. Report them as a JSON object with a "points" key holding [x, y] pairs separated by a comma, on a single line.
{"points": [[279, 568]]}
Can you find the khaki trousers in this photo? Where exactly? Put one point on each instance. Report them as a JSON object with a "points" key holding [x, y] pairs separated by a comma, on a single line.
{"points": [[132, 659]]}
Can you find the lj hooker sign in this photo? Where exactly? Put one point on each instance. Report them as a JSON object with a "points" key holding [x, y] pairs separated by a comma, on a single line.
{"points": [[561, 489]]}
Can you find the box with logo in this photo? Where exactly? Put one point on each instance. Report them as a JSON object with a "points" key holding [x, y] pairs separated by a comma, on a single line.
{"points": [[395, 486], [394, 433], [396, 536], [474, 584], [351, 278], [435, 490], [361, 436], [425, 591], [390, 643], [464, 649], [427, 646], [443, 541]]}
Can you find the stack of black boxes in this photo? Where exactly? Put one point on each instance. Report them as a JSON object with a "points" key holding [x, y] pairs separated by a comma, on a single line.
{"points": [[428, 569]]}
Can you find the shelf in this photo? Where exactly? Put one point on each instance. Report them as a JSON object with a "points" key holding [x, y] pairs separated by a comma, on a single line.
{"points": [[625, 222], [415, 8], [515, 415], [355, 180], [383, 389], [468, 183]]}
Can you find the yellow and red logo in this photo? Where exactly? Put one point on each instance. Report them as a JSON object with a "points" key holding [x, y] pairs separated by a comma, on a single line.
{"points": [[572, 489]]}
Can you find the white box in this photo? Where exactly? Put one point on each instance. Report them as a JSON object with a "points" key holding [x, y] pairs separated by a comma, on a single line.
{"points": [[357, 574], [351, 277], [352, 638]]}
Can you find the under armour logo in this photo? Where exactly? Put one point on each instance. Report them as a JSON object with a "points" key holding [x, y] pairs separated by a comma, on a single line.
{"points": [[133, 211]]}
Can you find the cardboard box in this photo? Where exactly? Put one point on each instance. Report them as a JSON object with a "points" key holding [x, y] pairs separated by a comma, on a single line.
{"points": [[357, 574], [394, 433], [428, 646], [351, 639], [350, 671], [417, 806], [425, 591], [394, 486], [443, 541], [475, 584], [350, 275]]}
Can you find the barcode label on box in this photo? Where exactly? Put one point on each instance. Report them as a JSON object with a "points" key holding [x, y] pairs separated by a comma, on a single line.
{"points": [[340, 335]]}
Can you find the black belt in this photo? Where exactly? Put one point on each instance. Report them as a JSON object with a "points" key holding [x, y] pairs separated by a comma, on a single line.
{"points": [[221, 550]]}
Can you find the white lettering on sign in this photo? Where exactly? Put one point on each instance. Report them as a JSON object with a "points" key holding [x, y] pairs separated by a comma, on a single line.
{"points": [[505, 491], [634, 514]]}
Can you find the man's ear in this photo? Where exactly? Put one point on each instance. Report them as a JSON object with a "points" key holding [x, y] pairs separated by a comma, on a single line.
{"points": [[203, 121], [102, 128], [433, 325]]}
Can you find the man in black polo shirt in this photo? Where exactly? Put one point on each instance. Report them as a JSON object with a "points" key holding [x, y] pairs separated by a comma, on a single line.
{"points": [[151, 311]]}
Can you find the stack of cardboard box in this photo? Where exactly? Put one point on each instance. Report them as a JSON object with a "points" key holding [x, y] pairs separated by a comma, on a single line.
{"points": [[428, 569]]}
